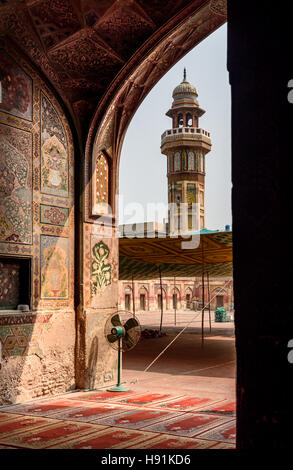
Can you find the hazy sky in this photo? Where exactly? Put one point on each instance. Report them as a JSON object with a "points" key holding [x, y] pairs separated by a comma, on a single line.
{"points": [[143, 168]]}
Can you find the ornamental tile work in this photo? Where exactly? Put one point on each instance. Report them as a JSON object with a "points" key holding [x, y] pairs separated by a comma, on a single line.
{"points": [[36, 198], [191, 161], [100, 266], [102, 175], [19, 331], [54, 267], [54, 215], [100, 184], [15, 339], [15, 185], [54, 158], [101, 269]]}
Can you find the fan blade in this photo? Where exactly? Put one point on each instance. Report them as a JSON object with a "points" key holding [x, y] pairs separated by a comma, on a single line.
{"points": [[128, 341], [116, 321], [131, 323], [112, 338]]}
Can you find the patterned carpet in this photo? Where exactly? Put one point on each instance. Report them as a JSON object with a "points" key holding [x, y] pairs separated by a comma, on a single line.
{"points": [[107, 420]]}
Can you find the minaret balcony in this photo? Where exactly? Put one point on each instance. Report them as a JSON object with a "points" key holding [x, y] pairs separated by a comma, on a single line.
{"points": [[186, 135]]}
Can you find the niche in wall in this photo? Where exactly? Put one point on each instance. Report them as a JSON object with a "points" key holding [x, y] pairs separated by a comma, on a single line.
{"points": [[15, 282]]}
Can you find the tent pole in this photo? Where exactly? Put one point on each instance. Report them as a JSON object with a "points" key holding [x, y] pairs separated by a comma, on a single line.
{"points": [[202, 311], [133, 299], [232, 299], [175, 300], [161, 299], [209, 297]]}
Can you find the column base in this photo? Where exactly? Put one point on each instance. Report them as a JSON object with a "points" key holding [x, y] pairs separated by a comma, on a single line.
{"points": [[119, 388]]}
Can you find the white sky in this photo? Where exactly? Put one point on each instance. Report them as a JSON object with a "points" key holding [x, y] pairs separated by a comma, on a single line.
{"points": [[143, 168]]}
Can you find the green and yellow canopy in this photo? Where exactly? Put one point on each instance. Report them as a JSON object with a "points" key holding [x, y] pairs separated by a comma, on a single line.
{"points": [[140, 257]]}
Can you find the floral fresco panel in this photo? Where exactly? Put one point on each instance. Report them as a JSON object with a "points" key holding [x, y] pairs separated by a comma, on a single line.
{"points": [[54, 267], [15, 185], [101, 269], [54, 154], [54, 215]]}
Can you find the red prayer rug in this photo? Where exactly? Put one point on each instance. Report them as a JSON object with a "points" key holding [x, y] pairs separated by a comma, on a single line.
{"points": [[187, 424], [136, 419], [162, 441], [186, 403], [110, 438], [43, 408], [226, 407], [19, 424], [100, 396], [105, 420], [49, 435], [145, 399], [90, 412], [226, 433]]}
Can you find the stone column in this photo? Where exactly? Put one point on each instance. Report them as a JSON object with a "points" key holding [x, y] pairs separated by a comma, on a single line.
{"points": [[152, 296]]}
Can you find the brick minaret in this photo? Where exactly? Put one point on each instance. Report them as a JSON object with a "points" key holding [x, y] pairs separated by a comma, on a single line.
{"points": [[186, 146]]}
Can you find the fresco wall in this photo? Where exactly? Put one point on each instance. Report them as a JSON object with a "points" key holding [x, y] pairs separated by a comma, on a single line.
{"points": [[96, 360], [36, 224]]}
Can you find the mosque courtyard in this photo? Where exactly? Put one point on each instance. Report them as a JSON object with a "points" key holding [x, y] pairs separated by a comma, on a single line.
{"points": [[185, 400]]}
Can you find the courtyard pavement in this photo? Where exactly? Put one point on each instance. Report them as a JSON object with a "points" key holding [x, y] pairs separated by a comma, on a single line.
{"points": [[186, 400]]}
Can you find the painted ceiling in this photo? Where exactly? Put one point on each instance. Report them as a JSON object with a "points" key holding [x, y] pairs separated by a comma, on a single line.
{"points": [[82, 45]]}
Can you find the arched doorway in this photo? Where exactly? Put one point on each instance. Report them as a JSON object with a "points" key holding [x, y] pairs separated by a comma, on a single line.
{"points": [[188, 298], [128, 298], [176, 299], [158, 297], [220, 298], [143, 298]]}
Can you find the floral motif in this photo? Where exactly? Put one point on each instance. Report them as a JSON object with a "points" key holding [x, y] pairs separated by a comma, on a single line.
{"points": [[5, 227], [102, 171], [54, 167], [101, 271], [54, 273], [6, 181], [55, 216], [14, 237], [15, 187], [54, 157], [23, 232]]}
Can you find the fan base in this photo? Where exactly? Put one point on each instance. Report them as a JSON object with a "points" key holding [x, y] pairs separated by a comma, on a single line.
{"points": [[119, 388]]}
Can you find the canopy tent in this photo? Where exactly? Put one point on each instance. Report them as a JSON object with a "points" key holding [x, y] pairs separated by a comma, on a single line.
{"points": [[150, 258], [139, 258]]}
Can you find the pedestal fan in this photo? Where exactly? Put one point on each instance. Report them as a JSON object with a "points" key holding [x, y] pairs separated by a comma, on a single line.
{"points": [[122, 331]]}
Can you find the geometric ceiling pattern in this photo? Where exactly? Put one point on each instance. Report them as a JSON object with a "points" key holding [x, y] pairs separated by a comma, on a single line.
{"points": [[141, 257], [81, 45]]}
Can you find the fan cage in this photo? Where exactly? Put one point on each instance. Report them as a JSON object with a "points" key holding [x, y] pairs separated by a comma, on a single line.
{"points": [[134, 332]]}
